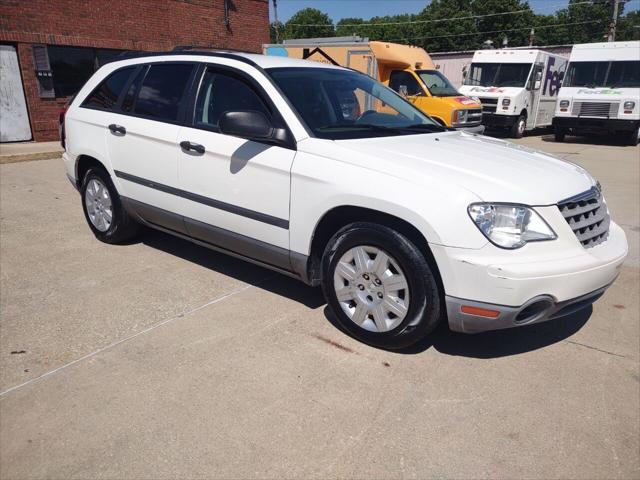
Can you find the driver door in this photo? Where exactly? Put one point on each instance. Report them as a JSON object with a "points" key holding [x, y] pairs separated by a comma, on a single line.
{"points": [[409, 86]]}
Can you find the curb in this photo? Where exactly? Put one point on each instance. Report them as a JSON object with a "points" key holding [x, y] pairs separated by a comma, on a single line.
{"points": [[26, 157]]}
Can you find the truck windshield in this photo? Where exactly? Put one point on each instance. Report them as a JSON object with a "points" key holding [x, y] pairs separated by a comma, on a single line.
{"points": [[342, 104], [498, 74], [437, 83], [603, 74]]}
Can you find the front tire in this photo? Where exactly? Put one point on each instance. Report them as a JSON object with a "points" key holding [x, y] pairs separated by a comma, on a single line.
{"points": [[517, 131], [559, 134], [103, 210], [633, 137], [379, 286]]}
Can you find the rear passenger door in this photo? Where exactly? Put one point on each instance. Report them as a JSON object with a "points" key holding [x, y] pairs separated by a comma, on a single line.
{"points": [[142, 140], [237, 190]]}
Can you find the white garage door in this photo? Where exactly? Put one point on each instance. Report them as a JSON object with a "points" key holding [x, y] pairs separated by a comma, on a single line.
{"points": [[14, 120]]}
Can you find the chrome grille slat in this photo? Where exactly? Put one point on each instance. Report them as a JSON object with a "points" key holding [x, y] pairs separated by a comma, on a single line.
{"points": [[588, 217], [595, 109]]}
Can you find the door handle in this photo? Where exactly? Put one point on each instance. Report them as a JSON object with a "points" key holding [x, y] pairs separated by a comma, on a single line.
{"points": [[117, 129], [192, 147]]}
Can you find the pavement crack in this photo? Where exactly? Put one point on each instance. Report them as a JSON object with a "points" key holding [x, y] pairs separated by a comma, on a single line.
{"points": [[595, 348]]}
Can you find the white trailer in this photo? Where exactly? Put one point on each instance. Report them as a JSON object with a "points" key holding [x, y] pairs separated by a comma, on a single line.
{"points": [[517, 88], [601, 91]]}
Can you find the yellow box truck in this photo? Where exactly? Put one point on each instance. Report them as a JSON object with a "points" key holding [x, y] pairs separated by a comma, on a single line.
{"points": [[406, 69]]}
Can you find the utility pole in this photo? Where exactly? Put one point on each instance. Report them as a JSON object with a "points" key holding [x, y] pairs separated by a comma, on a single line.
{"points": [[276, 25], [614, 21]]}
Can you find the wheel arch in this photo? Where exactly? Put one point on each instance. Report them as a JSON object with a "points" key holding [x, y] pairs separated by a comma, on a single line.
{"points": [[341, 216], [83, 164]]}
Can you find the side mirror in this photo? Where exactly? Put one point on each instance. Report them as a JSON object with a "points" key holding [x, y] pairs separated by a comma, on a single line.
{"points": [[538, 80], [403, 90], [252, 125]]}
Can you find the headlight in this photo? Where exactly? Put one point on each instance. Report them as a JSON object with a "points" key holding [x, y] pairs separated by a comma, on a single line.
{"points": [[506, 102], [629, 105], [564, 103], [460, 116], [510, 226]]}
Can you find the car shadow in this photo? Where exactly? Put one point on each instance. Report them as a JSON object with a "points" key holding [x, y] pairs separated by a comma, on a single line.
{"points": [[605, 140], [235, 268], [495, 344]]}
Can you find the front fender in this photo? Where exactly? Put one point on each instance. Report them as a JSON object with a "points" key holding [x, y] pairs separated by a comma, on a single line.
{"points": [[319, 185]]}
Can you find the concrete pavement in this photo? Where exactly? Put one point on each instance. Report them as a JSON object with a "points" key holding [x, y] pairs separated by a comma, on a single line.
{"points": [[161, 359]]}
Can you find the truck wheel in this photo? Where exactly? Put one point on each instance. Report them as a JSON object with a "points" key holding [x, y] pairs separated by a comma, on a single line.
{"points": [[633, 137], [559, 134], [379, 286], [517, 131], [103, 210]]}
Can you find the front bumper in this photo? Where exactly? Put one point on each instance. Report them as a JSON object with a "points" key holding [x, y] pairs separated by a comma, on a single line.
{"points": [[502, 121], [597, 125], [548, 279], [478, 129]]}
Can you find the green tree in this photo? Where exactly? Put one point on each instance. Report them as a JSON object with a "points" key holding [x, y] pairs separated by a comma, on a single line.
{"points": [[514, 27], [298, 26], [437, 34], [629, 27]]}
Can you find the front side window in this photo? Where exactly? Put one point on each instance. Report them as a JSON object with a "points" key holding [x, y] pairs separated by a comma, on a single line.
{"points": [[498, 74], [105, 96], [222, 92], [341, 104], [162, 90], [437, 83], [603, 74], [404, 83]]}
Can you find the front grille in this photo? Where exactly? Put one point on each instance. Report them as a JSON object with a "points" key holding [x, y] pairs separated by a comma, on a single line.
{"points": [[588, 217], [474, 116], [595, 109], [489, 105]]}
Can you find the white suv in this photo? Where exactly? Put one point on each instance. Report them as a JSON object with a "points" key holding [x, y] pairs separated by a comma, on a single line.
{"points": [[322, 173]]}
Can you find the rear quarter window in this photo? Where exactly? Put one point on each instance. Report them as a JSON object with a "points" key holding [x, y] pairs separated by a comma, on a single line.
{"points": [[161, 91], [105, 96]]}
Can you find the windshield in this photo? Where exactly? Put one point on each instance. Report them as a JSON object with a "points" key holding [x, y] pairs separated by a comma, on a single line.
{"points": [[498, 74], [603, 74], [343, 104], [437, 83]]}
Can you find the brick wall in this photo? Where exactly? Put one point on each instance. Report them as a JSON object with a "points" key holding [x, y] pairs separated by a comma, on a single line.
{"points": [[122, 24]]}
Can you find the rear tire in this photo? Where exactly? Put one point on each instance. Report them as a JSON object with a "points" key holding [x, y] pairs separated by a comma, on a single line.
{"points": [[559, 134], [379, 286], [103, 210], [633, 137], [517, 131]]}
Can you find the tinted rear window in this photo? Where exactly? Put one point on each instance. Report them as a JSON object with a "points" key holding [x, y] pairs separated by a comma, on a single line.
{"points": [[162, 90], [105, 96]]}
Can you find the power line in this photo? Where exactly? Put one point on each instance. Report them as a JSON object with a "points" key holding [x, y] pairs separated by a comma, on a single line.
{"points": [[496, 31], [408, 22]]}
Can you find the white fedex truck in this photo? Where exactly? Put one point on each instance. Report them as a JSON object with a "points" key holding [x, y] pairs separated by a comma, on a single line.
{"points": [[601, 91], [517, 88]]}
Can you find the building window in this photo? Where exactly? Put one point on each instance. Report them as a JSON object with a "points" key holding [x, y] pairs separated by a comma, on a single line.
{"points": [[73, 66]]}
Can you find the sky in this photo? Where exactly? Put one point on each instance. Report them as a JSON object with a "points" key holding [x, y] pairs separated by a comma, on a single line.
{"points": [[337, 9]]}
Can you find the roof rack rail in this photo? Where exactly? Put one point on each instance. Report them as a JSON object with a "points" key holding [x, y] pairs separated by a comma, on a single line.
{"points": [[232, 54], [207, 48]]}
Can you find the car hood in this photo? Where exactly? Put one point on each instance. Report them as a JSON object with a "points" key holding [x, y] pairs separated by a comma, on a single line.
{"points": [[492, 169], [490, 92], [599, 94]]}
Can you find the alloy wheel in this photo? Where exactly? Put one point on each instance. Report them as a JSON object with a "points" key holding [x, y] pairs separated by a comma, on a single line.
{"points": [[99, 205]]}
